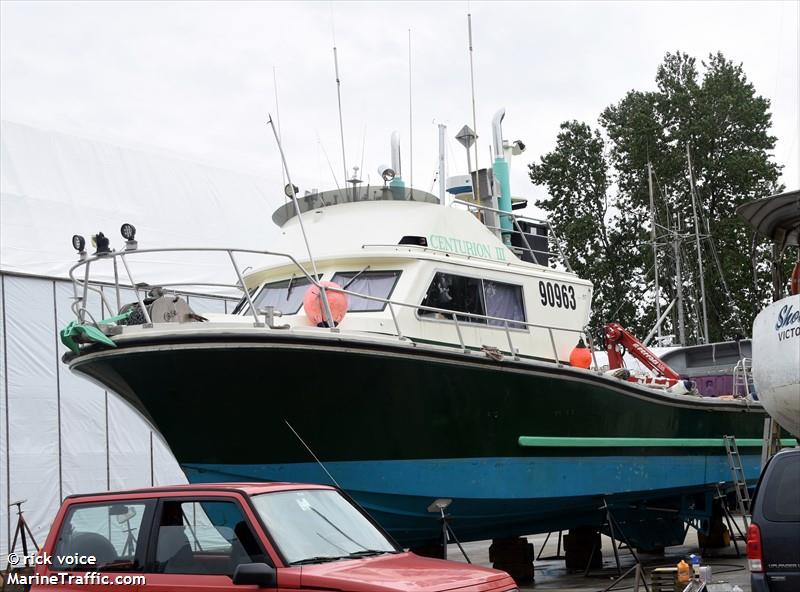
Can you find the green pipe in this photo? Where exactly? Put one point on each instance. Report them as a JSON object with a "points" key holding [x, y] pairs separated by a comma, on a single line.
{"points": [[573, 442]]}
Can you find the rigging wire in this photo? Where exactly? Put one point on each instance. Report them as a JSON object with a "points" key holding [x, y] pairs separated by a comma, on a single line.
{"points": [[330, 166]]}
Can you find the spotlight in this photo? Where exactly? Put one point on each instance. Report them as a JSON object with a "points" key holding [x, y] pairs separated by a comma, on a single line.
{"points": [[100, 242], [386, 172], [128, 232], [291, 190], [78, 242], [517, 147]]}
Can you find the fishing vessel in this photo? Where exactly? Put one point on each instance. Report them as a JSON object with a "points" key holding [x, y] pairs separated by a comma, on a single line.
{"points": [[776, 329], [412, 351]]}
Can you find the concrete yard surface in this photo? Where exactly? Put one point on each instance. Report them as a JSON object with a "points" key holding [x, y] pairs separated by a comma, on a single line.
{"points": [[550, 574]]}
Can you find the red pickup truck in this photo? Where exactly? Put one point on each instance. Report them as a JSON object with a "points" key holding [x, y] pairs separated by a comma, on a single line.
{"points": [[237, 537]]}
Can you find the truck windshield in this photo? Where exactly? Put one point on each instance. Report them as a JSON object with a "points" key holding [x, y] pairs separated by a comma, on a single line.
{"points": [[317, 525]]}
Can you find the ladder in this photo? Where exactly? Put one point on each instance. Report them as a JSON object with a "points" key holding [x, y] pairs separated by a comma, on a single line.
{"points": [[772, 440], [739, 479]]}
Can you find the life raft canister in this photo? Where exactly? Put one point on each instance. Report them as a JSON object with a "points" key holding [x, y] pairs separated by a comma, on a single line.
{"points": [[314, 308]]}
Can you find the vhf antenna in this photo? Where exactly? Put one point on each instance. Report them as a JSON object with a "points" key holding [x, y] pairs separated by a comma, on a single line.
{"points": [[476, 191], [339, 97]]}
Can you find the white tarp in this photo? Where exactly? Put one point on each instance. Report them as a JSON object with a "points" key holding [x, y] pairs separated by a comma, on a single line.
{"points": [[59, 433], [54, 185]]}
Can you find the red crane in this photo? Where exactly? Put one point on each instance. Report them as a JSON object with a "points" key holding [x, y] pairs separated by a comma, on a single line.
{"points": [[616, 335]]}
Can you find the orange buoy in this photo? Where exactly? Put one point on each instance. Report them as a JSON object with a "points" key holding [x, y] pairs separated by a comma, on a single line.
{"points": [[580, 356], [315, 310]]}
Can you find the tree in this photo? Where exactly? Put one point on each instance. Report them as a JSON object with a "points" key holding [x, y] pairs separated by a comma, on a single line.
{"points": [[725, 125]]}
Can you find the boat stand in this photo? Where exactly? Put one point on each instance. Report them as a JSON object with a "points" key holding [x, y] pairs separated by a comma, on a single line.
{"points": [[614, 530], [440, 505], [558, 554], [638, 579]]}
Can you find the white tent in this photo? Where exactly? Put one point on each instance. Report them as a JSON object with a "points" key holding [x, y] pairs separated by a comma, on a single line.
{"points": [[60, 434]]}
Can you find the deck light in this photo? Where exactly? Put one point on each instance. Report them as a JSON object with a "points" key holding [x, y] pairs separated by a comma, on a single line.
{"points": [[128, 232], [78, 242], [386, 172], [288, 190]]}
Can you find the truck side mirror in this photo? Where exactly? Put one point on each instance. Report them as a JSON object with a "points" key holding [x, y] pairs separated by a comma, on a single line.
{"points": [[255, 574]]}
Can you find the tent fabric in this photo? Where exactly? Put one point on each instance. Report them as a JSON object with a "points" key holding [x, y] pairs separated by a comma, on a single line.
{"points": [[66, 435], [54, 185]]}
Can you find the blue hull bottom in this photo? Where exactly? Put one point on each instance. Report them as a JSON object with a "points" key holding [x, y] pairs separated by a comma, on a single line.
{"points": [[502, 497]]}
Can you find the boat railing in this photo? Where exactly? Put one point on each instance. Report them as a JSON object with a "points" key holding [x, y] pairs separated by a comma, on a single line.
{"points": [[82, 285], [743, 378], [517, 230]]}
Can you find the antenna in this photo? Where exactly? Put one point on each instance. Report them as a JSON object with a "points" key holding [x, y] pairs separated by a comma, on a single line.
{"points": [[476, 191], [278, 116], [293, 192], [410, 121], [339, 97], [311, 452]]}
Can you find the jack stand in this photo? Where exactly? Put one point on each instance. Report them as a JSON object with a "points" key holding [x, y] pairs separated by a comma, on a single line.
{"points": [[612, 523], [440, 505], [21, 533], [638, 579], [558, 554]]}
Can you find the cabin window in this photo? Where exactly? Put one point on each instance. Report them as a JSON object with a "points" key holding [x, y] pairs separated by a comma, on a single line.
{"points": [[379, 284], [286, 296], [475, 296]]}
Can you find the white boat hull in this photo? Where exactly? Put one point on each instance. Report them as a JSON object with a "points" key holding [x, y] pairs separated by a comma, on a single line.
{"points": [[776, 361]]}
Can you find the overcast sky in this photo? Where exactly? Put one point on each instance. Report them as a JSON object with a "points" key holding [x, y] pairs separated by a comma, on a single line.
{"points": [[196, 79]]}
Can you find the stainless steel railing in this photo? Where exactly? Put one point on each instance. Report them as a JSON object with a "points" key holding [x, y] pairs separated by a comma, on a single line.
{"points": [[82, 286]]}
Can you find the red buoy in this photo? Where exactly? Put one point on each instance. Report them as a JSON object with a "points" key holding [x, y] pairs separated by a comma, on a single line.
{"points": [[315, 310], [580, 356]]}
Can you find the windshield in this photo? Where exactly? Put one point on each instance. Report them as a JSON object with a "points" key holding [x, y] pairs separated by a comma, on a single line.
{"points": [[315, 525]]}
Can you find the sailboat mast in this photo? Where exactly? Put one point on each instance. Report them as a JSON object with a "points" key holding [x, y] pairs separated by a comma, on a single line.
{"points": [[697, 243], [676, 247], [655, 249]]}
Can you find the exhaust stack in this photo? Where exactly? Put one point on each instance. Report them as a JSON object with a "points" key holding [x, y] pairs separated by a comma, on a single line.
{"points": [[502, 176]]}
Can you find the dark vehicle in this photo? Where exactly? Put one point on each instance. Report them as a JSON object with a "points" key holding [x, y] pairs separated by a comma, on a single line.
{"points": [[773, 540]]}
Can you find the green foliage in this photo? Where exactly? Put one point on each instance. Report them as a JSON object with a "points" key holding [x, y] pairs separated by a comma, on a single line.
{"points": [[599, 197]]}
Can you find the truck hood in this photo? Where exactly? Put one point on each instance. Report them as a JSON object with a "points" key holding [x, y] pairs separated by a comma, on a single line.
{"points": [[405, 572]]}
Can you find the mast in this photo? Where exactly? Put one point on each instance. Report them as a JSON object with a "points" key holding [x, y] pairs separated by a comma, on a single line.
{"points": [[676, 247], [697, 243], [655, 249]]}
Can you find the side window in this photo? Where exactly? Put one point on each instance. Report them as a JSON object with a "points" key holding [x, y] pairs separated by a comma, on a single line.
{"points": [[456, 293], [204, 537], [372, 283], [504, 301], [482, 297], [108, 532]]}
